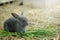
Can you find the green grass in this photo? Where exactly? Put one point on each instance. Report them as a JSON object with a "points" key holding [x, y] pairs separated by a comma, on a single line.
{"points": [[4, 33], [40, 32]]}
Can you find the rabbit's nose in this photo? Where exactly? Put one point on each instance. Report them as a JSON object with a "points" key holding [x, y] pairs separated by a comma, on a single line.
{"points": [[27, 23]]}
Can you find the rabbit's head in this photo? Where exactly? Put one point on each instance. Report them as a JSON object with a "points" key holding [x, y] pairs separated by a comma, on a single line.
{"points": [[22, 20]]}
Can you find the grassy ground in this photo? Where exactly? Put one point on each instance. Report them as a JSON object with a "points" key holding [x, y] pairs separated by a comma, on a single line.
{"points": [[43, 22], [33, 33]]}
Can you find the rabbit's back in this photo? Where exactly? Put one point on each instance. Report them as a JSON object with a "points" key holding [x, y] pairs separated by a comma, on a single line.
{"points": [[10, 25]]}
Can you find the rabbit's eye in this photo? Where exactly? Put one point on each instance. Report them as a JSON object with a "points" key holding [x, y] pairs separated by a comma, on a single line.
{"points": [[23, 20]]}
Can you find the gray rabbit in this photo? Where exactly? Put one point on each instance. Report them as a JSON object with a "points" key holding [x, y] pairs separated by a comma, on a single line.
{"points": [[16, 23]]}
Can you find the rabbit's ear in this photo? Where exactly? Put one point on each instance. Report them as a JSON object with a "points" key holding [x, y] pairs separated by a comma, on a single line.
{"points": [[15, 15], [22, 13]]}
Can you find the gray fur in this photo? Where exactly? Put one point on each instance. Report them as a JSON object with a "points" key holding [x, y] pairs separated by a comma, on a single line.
{"points": [[16, 23]]}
